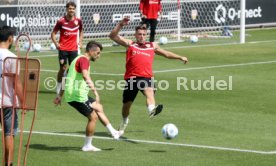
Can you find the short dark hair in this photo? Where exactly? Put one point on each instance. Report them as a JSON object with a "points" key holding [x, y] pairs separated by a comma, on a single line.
{"points": [[71, 4], [6, 32], [93, 45], [140, 27]]}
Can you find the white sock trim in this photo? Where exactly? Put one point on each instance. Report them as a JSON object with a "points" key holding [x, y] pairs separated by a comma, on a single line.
{"points": [[88, 141], [125, 120], [151, 107], [110, 128], [59, 85]]}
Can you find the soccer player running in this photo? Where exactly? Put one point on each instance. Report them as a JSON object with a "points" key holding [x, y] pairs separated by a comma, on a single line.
{"points": [[77, 86], [70, 27], [139, 75], [151, 13], [7, 92]]}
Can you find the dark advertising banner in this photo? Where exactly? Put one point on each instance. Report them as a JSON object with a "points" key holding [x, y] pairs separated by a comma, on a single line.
{"points": [[266, 8], [8, 16], [216, 13]]}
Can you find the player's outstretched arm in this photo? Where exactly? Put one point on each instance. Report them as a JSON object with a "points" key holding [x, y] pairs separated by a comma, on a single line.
{"points": [[114, 34], [168, 54]]}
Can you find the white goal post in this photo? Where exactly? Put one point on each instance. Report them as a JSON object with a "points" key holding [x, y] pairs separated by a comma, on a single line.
{"points": [[212, 21]]}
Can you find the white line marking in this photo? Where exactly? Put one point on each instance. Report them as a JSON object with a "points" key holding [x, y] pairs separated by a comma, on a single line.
{"points": [[212, 67], [162, 143], [194, 46], [183, 69]]}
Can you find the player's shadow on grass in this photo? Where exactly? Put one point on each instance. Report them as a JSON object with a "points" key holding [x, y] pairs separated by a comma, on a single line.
{"points": [[157, 151], [47, 92], [60, 148], [54, 148], [99, 134]]}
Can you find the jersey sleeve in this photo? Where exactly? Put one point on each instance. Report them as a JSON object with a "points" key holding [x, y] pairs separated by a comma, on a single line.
{"points": [[57, 26], [159, 6], [82, 64], [12, 64], [141, 6]]}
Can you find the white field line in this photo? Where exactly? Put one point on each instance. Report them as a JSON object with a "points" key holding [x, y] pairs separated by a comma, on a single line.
{"points": [[183, 69], [194, 46], [162, 143]]}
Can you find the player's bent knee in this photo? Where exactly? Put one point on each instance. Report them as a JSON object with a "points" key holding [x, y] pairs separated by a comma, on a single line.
{"points": [[97, 107]]}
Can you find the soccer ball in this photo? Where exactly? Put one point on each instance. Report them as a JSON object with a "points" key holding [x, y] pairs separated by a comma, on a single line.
{"points": [[53, 46], [26, 45], [169, 131], [163, 40], [36, 47], [193, 39]]}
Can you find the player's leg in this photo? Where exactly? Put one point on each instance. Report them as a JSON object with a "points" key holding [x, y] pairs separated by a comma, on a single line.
{"points": [[9, 138], [9, 148], [72, 55], [91, 124], [153, 25], [90, 129], [129, 95], [62, 56], [146, 85], [144, 22], [98, 108]]}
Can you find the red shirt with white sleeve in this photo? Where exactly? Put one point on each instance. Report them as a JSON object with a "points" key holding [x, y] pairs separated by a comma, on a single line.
{"points": [[69, 31]]}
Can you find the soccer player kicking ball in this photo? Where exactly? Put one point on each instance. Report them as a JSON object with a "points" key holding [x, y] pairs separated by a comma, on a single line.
{"points": [[139, 75], [77, 86]]}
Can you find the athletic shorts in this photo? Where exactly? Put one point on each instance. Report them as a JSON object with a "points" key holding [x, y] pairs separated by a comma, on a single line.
{"points": [[133, 85], [83, 108], [64, 56], [7, 112]]}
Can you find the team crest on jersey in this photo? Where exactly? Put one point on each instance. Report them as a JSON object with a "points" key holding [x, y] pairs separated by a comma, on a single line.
{"points": [[76, 22], [148, 45]]}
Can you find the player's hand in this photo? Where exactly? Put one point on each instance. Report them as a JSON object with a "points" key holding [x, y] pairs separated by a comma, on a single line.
{"points": [[159, 16], [80, 45], [144, 16], [57, 46], [57, 101], [184, 59], [125, 21]]}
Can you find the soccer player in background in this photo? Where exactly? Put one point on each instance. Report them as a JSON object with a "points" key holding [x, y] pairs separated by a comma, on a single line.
{"points": [[6, 40], [70, 27], [138, 74], [151, 14], [77, 86]]}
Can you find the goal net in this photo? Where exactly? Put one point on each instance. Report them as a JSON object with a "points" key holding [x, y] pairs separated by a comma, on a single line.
{"points": [[212, 21]]}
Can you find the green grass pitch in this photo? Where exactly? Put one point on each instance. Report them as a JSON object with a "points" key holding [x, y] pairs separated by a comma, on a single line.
{"points": [[216, 127]]}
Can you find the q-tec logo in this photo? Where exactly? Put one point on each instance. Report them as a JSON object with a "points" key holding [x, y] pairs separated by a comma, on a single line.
{"points": [[222, 14]]}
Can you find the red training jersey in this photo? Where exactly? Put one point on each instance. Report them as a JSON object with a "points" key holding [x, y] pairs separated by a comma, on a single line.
{"points": [[82, 64], [139, 60], [150, 8], [68, 33]]}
